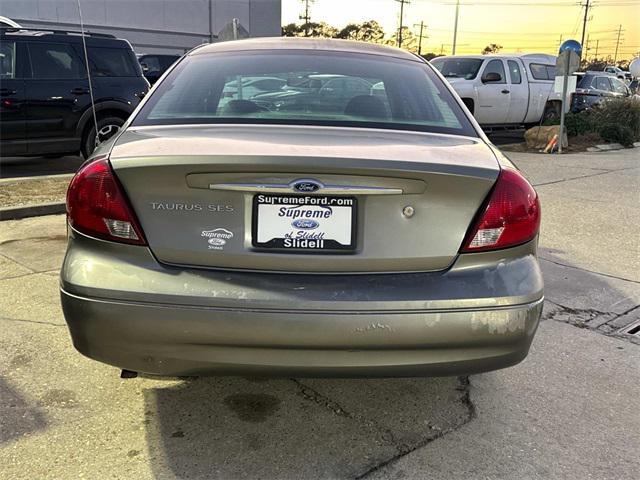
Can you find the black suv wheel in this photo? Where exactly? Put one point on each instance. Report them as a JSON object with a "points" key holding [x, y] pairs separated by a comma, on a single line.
{"points": [[107, 128]]}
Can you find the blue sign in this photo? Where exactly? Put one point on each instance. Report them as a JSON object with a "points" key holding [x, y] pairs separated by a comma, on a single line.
{"points": [[572, 46]]}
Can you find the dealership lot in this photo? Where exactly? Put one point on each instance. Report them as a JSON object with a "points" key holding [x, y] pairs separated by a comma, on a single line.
{"points": [[568, 411]]}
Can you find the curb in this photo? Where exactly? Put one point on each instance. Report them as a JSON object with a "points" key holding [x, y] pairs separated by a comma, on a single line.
{"points": [[608, 147], [16, 213], [61, 176]]}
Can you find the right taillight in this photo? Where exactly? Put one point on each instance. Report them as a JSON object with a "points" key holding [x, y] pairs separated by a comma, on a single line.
{"points": [[510, 217], [97, 205]]}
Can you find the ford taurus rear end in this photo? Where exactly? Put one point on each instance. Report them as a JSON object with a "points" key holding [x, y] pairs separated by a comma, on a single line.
{"points": [[353, 221]]}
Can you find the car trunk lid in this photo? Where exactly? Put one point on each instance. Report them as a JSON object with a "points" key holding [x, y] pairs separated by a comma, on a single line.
{"points": [[223, 196]]}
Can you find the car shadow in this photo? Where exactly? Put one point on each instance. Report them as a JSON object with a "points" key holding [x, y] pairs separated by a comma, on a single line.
{"points": [[234, 427], [17, 417]]}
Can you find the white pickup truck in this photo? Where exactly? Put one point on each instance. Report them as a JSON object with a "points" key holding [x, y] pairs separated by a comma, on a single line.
{"points": [[504, 90]]}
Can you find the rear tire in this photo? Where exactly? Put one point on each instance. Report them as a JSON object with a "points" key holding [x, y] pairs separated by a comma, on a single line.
{"points": [[107, 128]]}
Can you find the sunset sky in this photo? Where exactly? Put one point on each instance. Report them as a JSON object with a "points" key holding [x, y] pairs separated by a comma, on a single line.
{"points": [[517, 25]]}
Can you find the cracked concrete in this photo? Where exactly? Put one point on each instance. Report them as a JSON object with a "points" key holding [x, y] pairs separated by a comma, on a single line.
{"points": [[568, 411]]}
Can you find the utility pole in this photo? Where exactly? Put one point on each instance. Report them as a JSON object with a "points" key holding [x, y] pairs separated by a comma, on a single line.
{"points": [[401, 2], [306, 17], [615, 57], [560, 41], [584, 21], [420, 38], [585, 48], [455, 28]]}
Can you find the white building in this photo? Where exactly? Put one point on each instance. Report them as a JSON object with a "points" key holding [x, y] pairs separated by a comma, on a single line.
{"points": [[151, 26]]}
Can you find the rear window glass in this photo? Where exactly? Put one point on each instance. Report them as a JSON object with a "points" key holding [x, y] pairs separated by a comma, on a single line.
{"points": [[112, 62], [602, 83], [466, 68], [315, 88], [542, 72]]}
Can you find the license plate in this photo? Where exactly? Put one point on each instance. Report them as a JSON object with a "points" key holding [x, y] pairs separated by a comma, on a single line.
{"points": [[304, 223]]}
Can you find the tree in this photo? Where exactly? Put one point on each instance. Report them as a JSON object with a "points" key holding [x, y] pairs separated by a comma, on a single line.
{"points": [[409, 40], [491, 48], [315, 30], [290, 30], [430, 55], [369, 31]]}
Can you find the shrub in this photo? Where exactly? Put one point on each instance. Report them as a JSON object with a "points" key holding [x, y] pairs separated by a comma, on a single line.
{"points": [[622, 112], [581, 123], [615, 133], [616, 120]]}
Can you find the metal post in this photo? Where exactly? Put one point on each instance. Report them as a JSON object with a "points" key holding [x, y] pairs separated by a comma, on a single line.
{"points": [[455, 28], [565, 81]]}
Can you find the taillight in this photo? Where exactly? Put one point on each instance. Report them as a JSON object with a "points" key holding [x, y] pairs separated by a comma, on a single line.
{"points": [[97, 205], [511, 216]]}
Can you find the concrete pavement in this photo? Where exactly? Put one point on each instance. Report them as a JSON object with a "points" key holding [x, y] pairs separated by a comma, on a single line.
{"points": [[568, 411]]}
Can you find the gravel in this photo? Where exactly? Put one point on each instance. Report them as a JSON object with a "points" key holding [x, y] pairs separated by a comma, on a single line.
{"points": [[20, 193]]}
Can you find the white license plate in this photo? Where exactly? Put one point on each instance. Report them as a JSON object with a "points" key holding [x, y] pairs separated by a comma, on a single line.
{"points": [[295, 222]]}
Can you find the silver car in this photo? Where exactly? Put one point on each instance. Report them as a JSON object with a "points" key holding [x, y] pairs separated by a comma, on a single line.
{"points": [[337, 231]]}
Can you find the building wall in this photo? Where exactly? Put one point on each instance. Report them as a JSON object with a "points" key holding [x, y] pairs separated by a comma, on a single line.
{"points": [[152, 26]]}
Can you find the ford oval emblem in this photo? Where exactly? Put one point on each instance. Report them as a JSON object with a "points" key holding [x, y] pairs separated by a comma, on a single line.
{"points": [[306, 186], [305, 224]]}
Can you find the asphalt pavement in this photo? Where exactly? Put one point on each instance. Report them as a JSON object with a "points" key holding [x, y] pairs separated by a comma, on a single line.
{"points": [[569, 411], [17, 167]]}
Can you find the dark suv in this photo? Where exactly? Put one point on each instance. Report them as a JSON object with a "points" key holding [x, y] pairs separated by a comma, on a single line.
{"points": [[45, 102], [594, 88]]}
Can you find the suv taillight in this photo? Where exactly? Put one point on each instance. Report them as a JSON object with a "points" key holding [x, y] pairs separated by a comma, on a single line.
{"points": [[97, 205], [510, 217]]}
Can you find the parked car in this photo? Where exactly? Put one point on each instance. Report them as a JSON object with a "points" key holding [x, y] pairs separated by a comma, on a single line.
{"points": [[323, 91], [357, 241], [499, 90], [45, 106], [618, 72], [250, 87], [154, 65], [593, 88]]}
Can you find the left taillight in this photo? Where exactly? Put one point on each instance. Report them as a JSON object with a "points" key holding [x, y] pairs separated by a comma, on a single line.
{"points": [[97, 205]]}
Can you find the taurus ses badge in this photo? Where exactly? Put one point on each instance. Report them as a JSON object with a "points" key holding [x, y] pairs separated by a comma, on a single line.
{"points": [[306, 186]]}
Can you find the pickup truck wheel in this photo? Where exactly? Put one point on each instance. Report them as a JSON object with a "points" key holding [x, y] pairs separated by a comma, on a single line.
{"points": [[551, 113], [107, 128]]}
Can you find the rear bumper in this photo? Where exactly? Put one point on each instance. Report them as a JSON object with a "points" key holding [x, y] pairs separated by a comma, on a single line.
{"points": [[126, 309], [177, 340]]}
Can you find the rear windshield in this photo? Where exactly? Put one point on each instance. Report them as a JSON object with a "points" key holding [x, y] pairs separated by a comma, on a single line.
{"points": [[310, 88], [466, 68]]}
